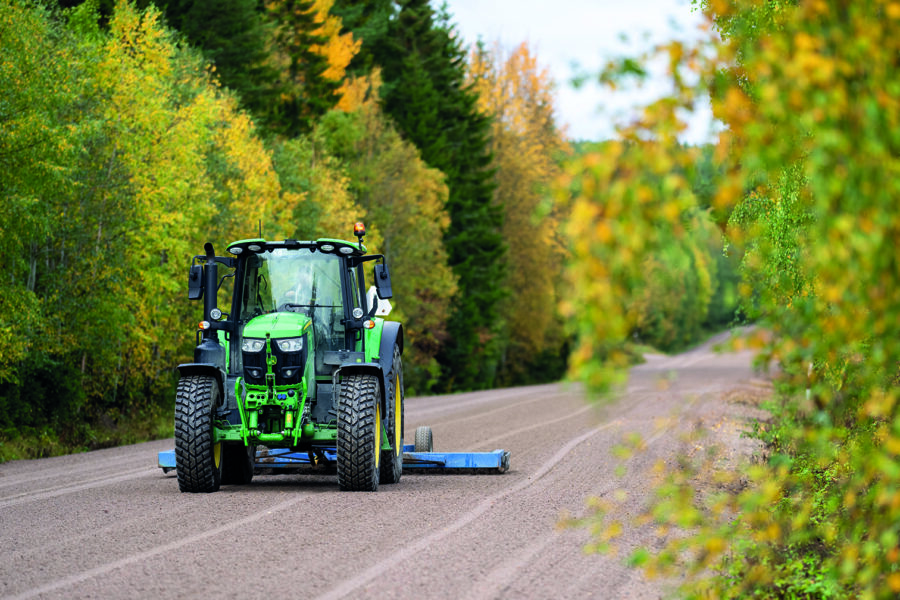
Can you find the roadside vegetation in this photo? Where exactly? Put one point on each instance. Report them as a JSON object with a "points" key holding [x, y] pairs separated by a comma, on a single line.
{"points": [[133, 134], [807, 191]]}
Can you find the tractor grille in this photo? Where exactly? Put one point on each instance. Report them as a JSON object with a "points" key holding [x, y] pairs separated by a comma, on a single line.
{"points": [[285, 362]]}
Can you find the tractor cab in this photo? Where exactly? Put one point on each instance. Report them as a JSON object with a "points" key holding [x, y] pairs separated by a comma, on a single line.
{"points": [[300, 353]]}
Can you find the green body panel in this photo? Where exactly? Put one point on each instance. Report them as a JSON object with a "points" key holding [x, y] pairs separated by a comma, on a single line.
{"points": [[289, 400], [373, 340], [278, 325]]}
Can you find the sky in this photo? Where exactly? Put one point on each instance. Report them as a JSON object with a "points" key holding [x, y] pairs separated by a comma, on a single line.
{"points": [[589, 33]]}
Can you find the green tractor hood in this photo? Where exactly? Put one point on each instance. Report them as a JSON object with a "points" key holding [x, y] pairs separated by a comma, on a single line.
{"points": [[278, 325]]}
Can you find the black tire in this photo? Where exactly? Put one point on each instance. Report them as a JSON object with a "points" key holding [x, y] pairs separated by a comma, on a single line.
{"points": [[424, 439], [359, 433], [198, 462], [392, 460], [237, 464]]}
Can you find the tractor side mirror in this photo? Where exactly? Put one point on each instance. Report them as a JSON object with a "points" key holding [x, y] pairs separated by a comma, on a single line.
{"points": [[383, 281], [195, 282]]}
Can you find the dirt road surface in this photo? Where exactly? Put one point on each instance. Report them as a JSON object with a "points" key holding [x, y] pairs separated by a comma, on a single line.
{"points": [[110, 524]]}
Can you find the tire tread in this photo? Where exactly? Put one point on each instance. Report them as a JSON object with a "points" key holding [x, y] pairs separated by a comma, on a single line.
{"points": [[356, 433], [194, 408]]}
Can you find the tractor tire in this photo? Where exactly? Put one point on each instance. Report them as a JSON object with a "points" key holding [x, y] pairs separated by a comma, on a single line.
{"points": [[424, 439], [198, 461], [359, 433], [238, 462], [392, 460]]}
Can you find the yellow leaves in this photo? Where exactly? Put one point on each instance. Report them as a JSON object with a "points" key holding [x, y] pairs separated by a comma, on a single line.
{"points": [[892, 445], [880, 404], [514, 90], [356, 90], [715, 545], [339, 49], [735, 109]]}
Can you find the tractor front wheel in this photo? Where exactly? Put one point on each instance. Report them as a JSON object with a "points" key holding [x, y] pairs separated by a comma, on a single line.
{"points": [[359, 433], [198, 461]]}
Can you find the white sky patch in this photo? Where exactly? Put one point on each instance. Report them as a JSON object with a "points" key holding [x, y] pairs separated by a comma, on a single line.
{"points": [[562, 33]]}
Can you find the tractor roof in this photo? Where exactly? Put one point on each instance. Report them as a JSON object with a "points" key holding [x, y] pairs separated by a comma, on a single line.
{"points": [[327, 245]]}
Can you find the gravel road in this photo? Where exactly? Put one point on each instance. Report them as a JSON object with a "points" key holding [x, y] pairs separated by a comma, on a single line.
{"points": [[110, 524]]}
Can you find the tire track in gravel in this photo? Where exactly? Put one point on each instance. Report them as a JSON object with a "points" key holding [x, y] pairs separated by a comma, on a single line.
{"points": [[62, 490], [540, 425], [147, 554], [481, 508], [426, 407], [67, 472], [509, 407], [493, 584]]}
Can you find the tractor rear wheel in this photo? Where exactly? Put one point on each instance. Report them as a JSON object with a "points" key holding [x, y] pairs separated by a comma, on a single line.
{"points": [[238, 461], [392, 460], [359, 433], [198, 461]]}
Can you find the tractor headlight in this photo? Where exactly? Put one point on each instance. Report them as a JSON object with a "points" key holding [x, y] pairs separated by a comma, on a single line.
{"points": [[290, 344], [253, 345]]}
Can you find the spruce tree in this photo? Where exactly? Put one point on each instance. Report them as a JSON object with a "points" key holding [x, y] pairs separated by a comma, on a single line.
{"points": [[304, 93], [368, 21], [425, 93], [233, 35]]}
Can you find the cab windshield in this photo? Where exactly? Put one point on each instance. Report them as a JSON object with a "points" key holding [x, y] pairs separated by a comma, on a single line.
{"points": [[289, 280], [297, 280]]}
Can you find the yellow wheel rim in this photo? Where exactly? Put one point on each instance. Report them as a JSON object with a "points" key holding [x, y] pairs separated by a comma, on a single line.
{"points": [[377, 435], [398, 417], [217, 454]]}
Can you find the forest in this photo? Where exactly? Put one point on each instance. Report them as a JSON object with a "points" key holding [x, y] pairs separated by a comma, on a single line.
{"points": [[132, 134]]}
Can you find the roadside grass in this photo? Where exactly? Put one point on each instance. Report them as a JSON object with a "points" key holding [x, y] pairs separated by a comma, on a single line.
{"points": [[152, 422]]}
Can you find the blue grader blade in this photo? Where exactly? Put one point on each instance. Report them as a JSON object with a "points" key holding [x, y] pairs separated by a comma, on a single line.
{"points": [[283, 459]]}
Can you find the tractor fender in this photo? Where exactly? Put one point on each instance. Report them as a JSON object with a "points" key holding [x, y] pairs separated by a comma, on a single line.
{"points": [[188, 369], [370, 368], [391, 335]]}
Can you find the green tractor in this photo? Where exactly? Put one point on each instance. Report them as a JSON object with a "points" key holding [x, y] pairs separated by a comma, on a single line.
{"points": [[302, 360]]}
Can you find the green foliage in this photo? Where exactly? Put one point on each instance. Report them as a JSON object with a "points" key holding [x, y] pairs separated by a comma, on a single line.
{"points": [[808, 93], [368, 20], [404, 199], [233, 35], [645, 256], [120, 156], [304, 93], [424, 92]]}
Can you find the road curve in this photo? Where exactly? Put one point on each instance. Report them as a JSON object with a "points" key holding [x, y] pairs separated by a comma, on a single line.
{"points": [[109, 524]]}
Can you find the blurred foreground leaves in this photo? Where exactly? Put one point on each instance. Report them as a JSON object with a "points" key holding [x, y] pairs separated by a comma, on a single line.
{"points": [[809, 94]]}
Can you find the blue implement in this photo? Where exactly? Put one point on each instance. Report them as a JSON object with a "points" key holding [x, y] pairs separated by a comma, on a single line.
{"points": [[284, 459]]}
